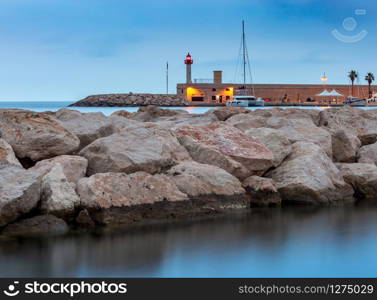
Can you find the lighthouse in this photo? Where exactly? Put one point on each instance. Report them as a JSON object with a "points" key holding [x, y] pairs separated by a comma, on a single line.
{"points": [[188, 63]]}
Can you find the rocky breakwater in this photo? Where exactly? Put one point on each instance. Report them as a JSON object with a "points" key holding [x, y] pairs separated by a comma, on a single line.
{"points": [[66, 170], [118, 100]]}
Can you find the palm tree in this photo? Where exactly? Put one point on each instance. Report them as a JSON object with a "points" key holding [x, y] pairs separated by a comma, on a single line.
{"points": [[370, 79], [353, 75]]}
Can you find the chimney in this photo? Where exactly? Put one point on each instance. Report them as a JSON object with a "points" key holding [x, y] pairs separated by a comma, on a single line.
{"points": [[217, 77]]}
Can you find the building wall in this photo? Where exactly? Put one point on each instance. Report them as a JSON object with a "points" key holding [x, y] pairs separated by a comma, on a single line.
{"points": [[275, 92]]}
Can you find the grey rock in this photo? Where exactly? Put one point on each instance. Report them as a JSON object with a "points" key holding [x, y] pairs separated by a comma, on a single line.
{"points": [[226, 147], [345, 146], [274, 140], [368, 154], [363, 178], [262, 191], [296, 126], [308, 176], [87, 126], [19, 192], [58, 195], [106, 190], [74, 167], [36, 136], [361, 123], [7, 155], [148, 148], [201, 180]]}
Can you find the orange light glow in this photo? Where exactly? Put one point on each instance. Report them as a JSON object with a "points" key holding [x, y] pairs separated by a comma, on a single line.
{"points": [[192, 92]]}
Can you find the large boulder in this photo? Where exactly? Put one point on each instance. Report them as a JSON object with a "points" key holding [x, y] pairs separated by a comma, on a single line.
{"points": [[308, 176], [262, 191], [297, 127], [361, 123], [106, 190], [148, 148], [266, 117], [39, 225], [200, 180], [345, 146], [274, 140], [19, 192], [58, 196], [224, 113], [151, 113], [120, 123], [247, 121], [368, 154], [363, 178], [179, 120], [302, 130], [74, 167], [7, 155], [118, 198], [36, 136], [87, 126], [123, 113], [226, 147], [289, 113]]}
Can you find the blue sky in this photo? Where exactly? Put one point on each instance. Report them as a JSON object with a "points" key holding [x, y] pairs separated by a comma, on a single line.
{"points": [[68, 49]]}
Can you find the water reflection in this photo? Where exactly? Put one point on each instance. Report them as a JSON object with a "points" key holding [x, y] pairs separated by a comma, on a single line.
{"points": [[266, 242]]}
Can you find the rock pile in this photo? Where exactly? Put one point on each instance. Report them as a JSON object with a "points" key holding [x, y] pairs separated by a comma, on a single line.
{"points": [[69, 169], [118, 100]]}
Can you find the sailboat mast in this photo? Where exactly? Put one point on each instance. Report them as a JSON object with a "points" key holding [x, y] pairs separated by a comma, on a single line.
{"points": [[167, 78], [244, 52]]}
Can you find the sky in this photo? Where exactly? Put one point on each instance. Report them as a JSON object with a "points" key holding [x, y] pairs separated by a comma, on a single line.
{"points": [[65, 50]]}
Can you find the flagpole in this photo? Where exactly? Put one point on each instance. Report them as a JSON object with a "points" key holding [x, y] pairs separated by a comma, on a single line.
{"points": [[167, 78]]}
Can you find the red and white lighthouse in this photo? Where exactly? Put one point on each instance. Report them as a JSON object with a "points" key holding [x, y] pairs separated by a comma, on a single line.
{"points": [[188, 63]]}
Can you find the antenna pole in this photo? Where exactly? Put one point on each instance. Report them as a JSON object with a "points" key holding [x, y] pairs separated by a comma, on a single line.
{"points": [[167, 78], [244, 52]]}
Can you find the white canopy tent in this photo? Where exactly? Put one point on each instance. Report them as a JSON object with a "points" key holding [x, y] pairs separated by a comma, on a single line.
{"points": [[334, 93], [325, 93]]}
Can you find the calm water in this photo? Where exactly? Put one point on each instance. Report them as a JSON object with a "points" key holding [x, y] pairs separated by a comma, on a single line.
{"points": [[307, 242], [56, 105]]}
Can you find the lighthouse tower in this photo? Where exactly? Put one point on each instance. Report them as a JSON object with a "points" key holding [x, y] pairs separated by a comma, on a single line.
{"points": [[188, 63]]}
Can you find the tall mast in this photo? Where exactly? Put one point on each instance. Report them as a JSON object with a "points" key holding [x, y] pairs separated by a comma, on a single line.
{"points": [[244, 52], [167, 77]]}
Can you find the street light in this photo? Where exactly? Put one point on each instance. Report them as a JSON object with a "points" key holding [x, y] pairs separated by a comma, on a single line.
{"points": [[324, 80]]}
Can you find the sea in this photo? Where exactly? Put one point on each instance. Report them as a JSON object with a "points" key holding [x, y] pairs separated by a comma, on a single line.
{"points": [[273, 242], [41, 106]]}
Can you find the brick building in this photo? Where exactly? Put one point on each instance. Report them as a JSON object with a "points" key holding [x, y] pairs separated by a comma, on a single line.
{"points": [[216, 91]]}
